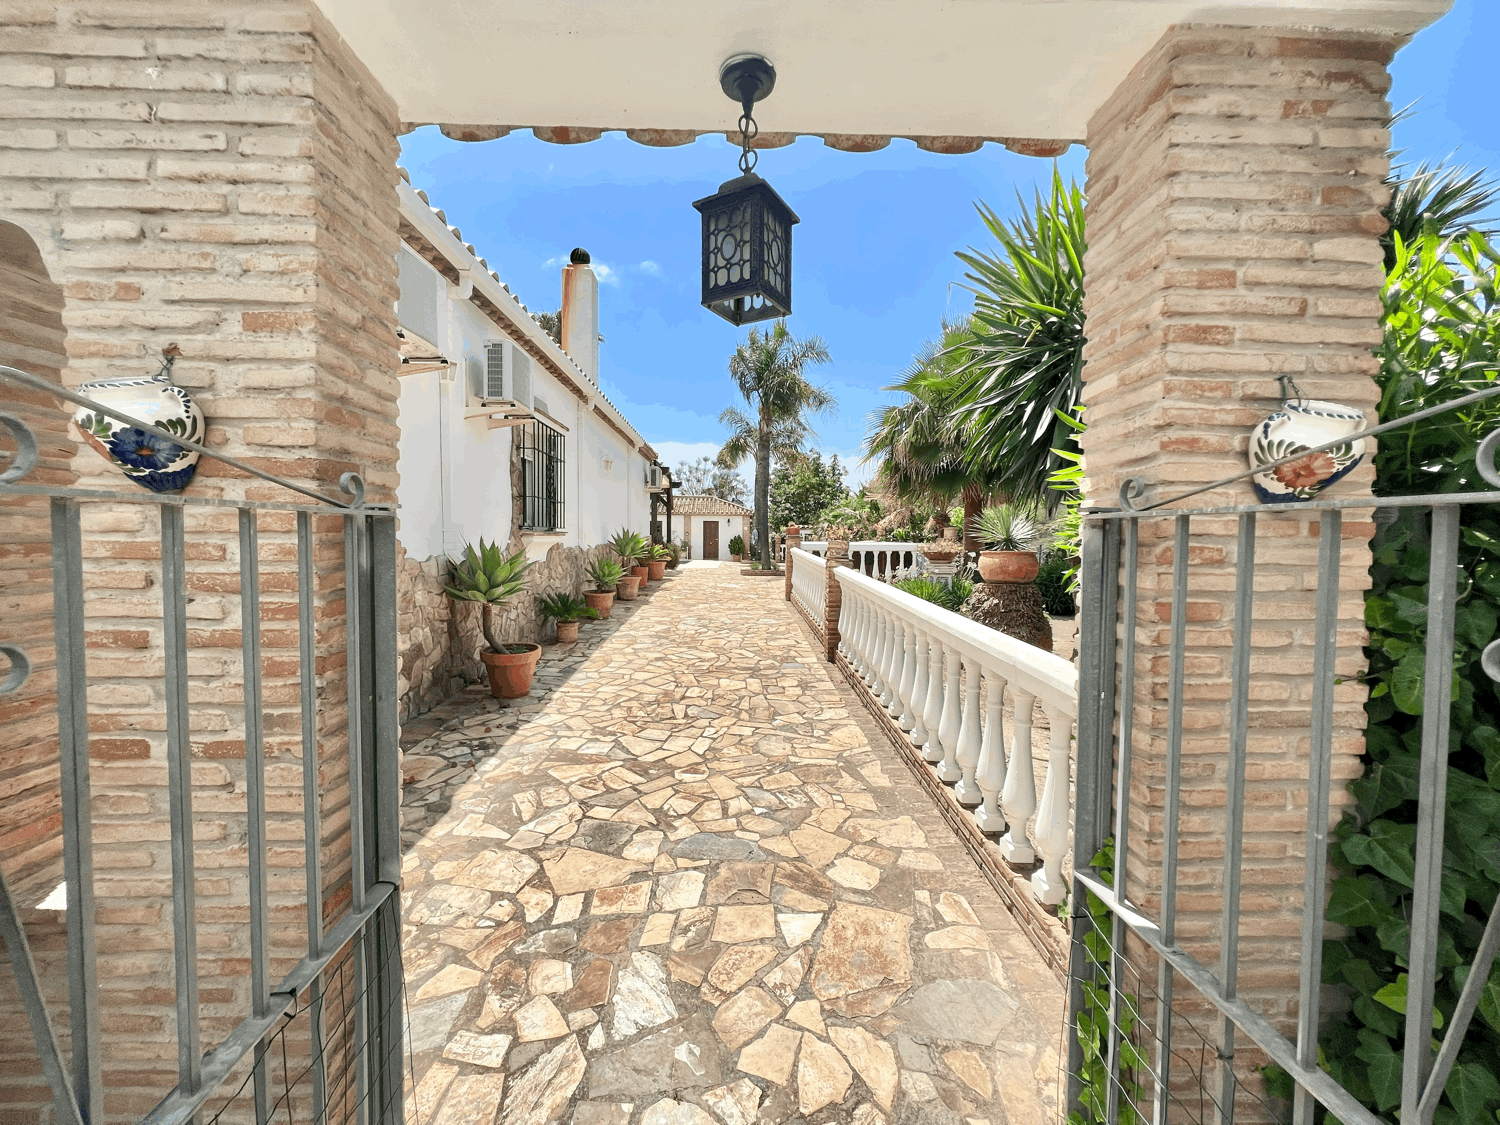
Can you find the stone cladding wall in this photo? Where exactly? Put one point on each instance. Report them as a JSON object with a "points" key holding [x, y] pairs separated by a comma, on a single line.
{"points": [[219, 176], [1234, 194]]}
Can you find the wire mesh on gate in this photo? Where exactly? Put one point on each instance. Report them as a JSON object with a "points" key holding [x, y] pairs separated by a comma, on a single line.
{"points": [[313, 1058]]}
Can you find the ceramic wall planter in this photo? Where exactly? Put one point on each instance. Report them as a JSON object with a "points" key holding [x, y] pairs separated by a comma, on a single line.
{"points": [[510, 672], [152, 462], [1303, 424], [1008, 566], [627, 588], [600, 602], [567, 632]]}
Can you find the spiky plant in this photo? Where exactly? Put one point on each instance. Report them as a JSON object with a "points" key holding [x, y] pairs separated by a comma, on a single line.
{"points": [[605, 574], [488, 577], [1008, 527], [631, 546], [565, 607]]}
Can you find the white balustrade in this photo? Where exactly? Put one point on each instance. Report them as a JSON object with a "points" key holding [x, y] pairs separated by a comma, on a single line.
{"points": [[948, 680], [809, 584]]}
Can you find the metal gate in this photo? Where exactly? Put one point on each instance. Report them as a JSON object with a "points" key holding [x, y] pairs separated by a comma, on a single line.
{"points": [[1131, 979], [321, 1040]]}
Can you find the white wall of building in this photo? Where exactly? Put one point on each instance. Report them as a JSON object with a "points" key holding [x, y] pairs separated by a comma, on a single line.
{"points": [[692, 528], [456, 471]]}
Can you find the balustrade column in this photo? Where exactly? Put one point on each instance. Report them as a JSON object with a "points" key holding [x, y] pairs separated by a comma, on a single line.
{"points": [[932, 711], [947, 769], [1052, 818], [967, 790], [990, 774], [1019, 797], [918, 734], [906, 720], [899, 675], [882, 645]]}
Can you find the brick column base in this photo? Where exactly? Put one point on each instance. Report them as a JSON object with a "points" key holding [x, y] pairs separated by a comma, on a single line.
{"points": [[793, 541], [837, 556]]}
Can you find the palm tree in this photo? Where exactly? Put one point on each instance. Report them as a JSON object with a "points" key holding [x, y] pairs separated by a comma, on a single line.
{"points": [[767, 370], [924, 444], [1442, 199], [1025, 362]]}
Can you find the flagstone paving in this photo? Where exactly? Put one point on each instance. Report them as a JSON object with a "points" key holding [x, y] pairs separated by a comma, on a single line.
{"points": [[689, 882]]}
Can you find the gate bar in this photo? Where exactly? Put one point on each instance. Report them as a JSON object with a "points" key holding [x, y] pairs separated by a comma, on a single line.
{"points": [[77, 806], [1319, 783], [180, 796], [255, 797], [312, 843], [1432, 796]]}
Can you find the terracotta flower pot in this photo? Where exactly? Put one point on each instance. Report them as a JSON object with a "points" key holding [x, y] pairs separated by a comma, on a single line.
{"points": [[657, 570], [567, 632], [793, 529], [600, 602], [627, 588], [511, 672], [1008, 566], [643, 572]]}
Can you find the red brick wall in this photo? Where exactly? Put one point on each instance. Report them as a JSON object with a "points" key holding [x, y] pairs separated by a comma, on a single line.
{"points": [[218, 176], [1234, 187]]}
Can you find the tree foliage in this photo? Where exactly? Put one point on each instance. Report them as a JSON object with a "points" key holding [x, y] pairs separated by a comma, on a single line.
{"points": [[803, 487], [705, 477], [768, 371]]}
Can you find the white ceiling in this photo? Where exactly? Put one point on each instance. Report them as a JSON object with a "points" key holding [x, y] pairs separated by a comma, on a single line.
{"points": [[965, 68]]}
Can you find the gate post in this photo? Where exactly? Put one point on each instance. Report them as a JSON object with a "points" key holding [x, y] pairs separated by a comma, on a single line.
{"points": [[837, 556]]}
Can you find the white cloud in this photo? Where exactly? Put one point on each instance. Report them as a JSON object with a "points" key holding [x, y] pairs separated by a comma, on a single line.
{"points": [[650, 267], [606, 274]]}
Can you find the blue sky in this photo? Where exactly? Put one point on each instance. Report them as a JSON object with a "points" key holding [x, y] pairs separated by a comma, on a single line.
{"points": [[873, 265]]}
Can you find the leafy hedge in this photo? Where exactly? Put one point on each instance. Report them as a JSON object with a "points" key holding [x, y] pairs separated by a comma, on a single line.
{"points": [[1441, 332]]}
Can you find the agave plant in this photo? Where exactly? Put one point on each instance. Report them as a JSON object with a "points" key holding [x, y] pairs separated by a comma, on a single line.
{"points": [[488, 577], [658, 552], [1008, 527], [605, 574], [631, 546], [565, 607]]}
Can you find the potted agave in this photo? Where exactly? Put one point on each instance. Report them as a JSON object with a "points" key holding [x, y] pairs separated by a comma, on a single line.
{"points": [[1009, 533], [628, 546], [657, 558], [605, 575], [489, 578], [567, 610], [737, 548]]}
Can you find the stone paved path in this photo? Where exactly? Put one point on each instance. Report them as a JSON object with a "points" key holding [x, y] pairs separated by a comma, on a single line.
{"points": [[688, 882]]}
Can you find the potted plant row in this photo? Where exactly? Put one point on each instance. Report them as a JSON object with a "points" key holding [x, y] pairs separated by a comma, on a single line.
{"points": [[657, 558], [567, 610], [486, 576], [629, 546]]}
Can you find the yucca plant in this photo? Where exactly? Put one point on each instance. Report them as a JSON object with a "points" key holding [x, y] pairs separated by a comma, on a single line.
{"points": [[1024, 363], [565, 607], [605, 574], [631, 546], [488, 577], [1008, 527], [658, 552]]}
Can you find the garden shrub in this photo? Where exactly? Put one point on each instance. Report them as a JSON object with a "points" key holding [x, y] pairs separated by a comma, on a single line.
{"points": [[936, 591], [1054, 580]]}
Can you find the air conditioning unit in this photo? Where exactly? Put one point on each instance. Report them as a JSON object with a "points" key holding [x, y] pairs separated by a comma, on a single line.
{"points": [[654, 481], [500, 383]]}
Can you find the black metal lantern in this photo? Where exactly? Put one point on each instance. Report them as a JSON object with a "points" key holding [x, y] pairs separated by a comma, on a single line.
{"points": [[747, 227]]}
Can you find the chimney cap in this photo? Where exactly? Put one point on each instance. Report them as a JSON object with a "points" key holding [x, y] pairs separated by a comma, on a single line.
{"points": [[579, 256]]}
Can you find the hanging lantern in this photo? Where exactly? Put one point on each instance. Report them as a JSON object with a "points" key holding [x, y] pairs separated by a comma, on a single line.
{"points": [[747, 228]]}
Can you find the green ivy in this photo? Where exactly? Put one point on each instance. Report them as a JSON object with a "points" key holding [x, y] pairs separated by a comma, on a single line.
{"points": [[1092, 1018], [1441, 330]]}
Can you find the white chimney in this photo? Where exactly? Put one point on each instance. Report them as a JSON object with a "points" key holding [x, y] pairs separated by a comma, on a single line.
{"points": [[580, 313]]}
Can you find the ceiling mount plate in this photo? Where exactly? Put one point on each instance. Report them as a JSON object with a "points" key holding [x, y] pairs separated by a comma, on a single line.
{"points": [[747, 78]]}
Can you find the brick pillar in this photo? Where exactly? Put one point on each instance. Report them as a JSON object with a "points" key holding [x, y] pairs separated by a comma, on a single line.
{"points": [[793, 541], [1234, 187], [837, 556], [220, 177]]}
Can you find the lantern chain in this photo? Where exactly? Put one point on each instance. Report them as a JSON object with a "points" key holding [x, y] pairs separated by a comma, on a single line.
{"points": [[749, 130]]}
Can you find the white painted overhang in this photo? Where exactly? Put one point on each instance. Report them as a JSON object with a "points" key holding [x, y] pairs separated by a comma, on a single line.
{"points": [[853, 71]]}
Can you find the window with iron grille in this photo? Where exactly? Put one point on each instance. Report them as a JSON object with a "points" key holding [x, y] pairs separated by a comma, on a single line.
{"points": [[542, 478]]}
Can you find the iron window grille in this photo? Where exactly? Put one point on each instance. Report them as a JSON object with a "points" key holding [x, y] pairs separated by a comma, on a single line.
{"points": [[542, 492]]}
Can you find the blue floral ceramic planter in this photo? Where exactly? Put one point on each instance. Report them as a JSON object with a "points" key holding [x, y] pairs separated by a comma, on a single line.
{"points": [[1299, 425], [151, 461]]}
